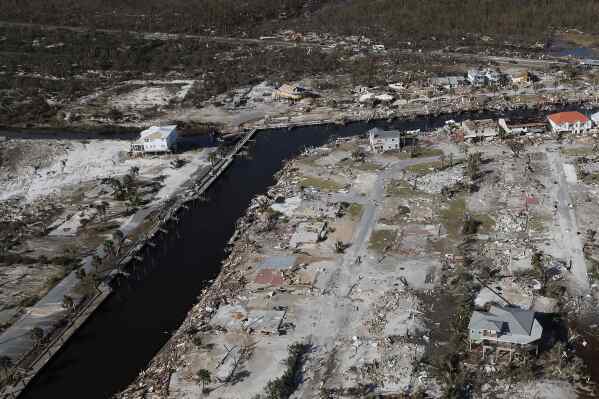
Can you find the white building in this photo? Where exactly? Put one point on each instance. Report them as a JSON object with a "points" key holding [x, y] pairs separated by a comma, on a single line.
{"points": [[384, 140], [569, 122], [488, 76], [156, 139], [476, 77], [595, 118]]}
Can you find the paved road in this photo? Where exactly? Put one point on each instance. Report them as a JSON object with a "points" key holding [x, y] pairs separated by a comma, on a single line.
{"points": [[567, 239]]}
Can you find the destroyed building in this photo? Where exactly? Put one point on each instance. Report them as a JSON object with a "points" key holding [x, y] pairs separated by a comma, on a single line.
{"points": [[448, 82], [293, 92], [479, 130]]}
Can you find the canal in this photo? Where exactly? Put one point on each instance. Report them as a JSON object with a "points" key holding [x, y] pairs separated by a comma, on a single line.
{"points": [[121, 338]]}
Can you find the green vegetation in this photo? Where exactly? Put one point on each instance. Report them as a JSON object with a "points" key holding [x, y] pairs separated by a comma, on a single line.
{"points": [[473, 165], [360, 165], [424, 168], [204, 377], [419, 152], [384, 19], [428, 167], [537, 222], [426, 152], [591, 178], [381, 240], [577, 151], [355, 211], [452, 216], [486, 222], [322, 184], [284, 386], [400, 188]]}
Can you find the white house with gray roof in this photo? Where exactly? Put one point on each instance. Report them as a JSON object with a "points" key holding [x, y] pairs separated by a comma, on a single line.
{"points": [[384, 140], [504, 325]]}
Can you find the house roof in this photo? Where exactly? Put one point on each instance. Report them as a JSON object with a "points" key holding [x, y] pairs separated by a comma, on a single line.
{"points": [[158, 132], [567, 117], [277, 262], [506, 319], [448, 80], [384, 133]]}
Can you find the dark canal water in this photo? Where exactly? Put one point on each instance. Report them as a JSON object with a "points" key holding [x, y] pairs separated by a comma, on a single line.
{"points": [[120, 339]]}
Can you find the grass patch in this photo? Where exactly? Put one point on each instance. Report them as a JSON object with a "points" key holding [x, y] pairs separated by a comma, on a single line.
{"points": [[424, 168], [284, 386], [420, 153], [381, 239], [365, 166], [537, 222], [577, 151], [428, 167], [580, 39], [591, 178], [401, 188], [322, 184], [355, 211], [427, 152], [487, 223], [452, 217]]}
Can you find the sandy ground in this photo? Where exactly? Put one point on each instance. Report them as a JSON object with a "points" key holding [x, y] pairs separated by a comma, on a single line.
{"points": [[347, 308], [67, 178], [362, 312], [78, 162]]}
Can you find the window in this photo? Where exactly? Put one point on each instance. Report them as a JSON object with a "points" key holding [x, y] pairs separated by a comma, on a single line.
{"points": [[488, 333]]}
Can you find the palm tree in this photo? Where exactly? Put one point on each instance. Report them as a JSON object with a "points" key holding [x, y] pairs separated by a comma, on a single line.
{"points": [[134, 171], [473, 165], [68, 303], [358, 155], [212, 158], [96, 264], [109, 248], [118, 237], [204, 378], [340, 247], [6, 364], [37, 335]]}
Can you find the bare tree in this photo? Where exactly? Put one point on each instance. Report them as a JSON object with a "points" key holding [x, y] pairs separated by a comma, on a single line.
{"points": [[516, 146], [473, 165]]}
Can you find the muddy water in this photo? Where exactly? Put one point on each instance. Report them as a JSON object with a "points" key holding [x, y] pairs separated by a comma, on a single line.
{"points": [[119, 340]]}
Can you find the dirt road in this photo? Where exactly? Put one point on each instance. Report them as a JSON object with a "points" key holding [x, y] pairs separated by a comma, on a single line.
{"points": [[566, 234]]}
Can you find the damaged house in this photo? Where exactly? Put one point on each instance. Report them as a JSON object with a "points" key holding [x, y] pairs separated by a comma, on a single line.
{"points": [[505, 328], [156, 139], [384, 140], [479, 130], [293, 93]]}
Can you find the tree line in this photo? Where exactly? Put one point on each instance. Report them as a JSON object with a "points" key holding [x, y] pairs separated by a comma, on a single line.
{"points": [[391, 19]]}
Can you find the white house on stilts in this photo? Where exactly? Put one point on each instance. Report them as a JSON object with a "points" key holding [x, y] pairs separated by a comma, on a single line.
{"points": [[156, 140]]}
